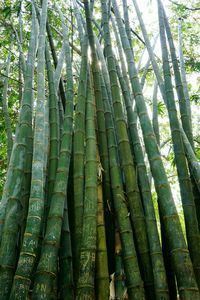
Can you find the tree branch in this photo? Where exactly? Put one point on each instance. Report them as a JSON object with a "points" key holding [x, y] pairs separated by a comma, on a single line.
{"points": [[184, 6]]}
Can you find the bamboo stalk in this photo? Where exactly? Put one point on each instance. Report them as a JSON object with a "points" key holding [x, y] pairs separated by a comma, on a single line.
{"points": [[85, 286], [167, 207], [28, 253], [6, 113], [10, 211]]}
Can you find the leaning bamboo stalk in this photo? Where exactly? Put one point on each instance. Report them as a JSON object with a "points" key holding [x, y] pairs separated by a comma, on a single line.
{"points": [[28, 251], [150, 50], [58, 71], [189, 209], [167, 207], [185, 118], [10, 211], [192, 159], [183, 72]]}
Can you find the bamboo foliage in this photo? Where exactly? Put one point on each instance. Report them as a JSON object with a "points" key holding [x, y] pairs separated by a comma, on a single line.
{"points": [[81, 217]]}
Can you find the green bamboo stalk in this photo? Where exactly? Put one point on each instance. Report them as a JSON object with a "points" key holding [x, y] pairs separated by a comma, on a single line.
{"points": [[85, 286], [183, 107], [146, 67], [66, 285], [134, 282], [29, 248], [79, 148], [192, 159], [194, 171], [59, 67], [29, 154], [179, 253], [6, 114], [78, 158], [192, 230], [160, 280], [102, 275], [10, 207], [183, 72], [76, 49], [120, 50], [19, 44], [61, 99], [54, 128], [103, 148], [79, 22], [20, 92], [136, 209], [47, 268], [46, 275], [126, 22], [119, 276], [104, 67], [165, 247], [155, 113], [185, 118], [150, 51], [65, 255], [133, 278]]}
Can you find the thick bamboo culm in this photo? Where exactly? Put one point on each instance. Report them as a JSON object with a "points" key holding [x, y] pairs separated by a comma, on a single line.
{"points": [[78, 218]]}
